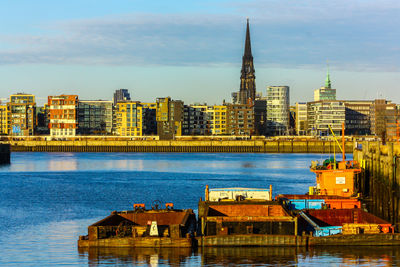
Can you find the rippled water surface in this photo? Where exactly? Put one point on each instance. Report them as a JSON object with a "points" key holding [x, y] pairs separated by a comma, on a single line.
{"points": [[48, 199]]}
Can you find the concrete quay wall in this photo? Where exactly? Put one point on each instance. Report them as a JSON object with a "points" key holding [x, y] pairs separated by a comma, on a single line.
{"points": [[379, 181], [209, 146], [5, 153]]}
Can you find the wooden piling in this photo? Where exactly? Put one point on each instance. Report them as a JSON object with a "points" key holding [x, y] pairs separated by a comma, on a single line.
{"points": [[5, 153], [379, 180]]}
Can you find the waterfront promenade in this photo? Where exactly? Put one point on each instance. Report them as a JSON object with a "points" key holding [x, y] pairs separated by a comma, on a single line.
{"points": [[210, 146]]}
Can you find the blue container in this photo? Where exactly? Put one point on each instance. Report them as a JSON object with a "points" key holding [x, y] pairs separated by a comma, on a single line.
{"points": [[327, 231], [301, 204]]}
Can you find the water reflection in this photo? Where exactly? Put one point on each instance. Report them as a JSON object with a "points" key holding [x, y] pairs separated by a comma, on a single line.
{"points": [[138, 256], [65, 165], [223, 256], [357, 255], [239, 164], [249, 255], [125, 164]]}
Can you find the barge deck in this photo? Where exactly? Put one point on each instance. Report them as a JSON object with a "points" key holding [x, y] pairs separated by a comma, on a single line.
{"points": [[143, 228]]}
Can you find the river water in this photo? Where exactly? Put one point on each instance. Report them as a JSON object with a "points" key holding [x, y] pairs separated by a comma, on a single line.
{"points": [[48, 199]]}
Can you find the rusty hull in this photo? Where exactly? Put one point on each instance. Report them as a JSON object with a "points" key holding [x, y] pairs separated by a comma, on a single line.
{"points": [[244, 221], [131, 229]]}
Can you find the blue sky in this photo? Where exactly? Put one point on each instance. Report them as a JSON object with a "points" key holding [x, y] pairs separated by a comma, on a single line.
{"points": [[191, 50]]}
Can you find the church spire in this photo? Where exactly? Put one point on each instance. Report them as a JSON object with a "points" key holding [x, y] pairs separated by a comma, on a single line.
{"points": [[247, 78], [247, 46], [328, 80]]}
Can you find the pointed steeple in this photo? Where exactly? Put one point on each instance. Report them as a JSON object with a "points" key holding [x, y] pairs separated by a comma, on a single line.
{"points": [[328, 80], [247, 46], [247, 77]]}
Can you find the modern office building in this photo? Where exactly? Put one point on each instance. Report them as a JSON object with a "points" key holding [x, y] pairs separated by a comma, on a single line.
{"points": [[247, 90], [326, 92], [121, 95], [129, 118], [22, 117], [278, 116], [95, 117], [358, 117], [301, 118], [384, 117], [240, 119], [169, 116], [322, 114], [63, 115]]}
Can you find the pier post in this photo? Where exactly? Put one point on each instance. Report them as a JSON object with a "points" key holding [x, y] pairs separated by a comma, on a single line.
{"points": [[379, 180]]}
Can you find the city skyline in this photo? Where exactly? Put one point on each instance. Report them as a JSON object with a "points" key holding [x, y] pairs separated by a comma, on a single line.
{"points": [[193, 52]]}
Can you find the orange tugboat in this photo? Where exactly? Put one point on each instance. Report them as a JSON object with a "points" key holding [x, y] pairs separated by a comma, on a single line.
{"points": [[335, 178]]}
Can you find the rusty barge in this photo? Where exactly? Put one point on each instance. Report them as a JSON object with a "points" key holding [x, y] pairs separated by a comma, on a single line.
{"points": [[230, 217], [141, 227], [330, 214], [234, 217]]}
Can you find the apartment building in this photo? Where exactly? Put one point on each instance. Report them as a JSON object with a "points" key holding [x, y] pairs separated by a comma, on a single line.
{"points": [[22, 114], [301, 118], [196, 120], [4, 118], [240, 119], [169, 116], [129, 118], [63, 115], [149, 118]]}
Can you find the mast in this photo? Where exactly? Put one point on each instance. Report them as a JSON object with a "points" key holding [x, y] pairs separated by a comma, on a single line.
{"points": [[343, 143]]}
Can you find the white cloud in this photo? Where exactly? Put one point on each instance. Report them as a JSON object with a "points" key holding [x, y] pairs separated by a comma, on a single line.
{"points": [[355, 34]]}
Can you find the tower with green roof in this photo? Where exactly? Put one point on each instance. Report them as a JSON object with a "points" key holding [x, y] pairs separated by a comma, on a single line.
{"points": [[326, 92]]}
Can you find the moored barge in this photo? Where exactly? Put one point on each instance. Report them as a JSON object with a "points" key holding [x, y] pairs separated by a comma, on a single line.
{"points": [[140, 227], [244, 217], [235, 217], [331, 213], [234, 220]]}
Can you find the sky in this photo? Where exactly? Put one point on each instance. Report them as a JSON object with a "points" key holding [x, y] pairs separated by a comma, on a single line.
{"points": [[192, 50]]}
